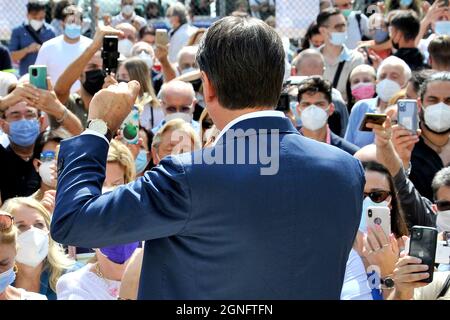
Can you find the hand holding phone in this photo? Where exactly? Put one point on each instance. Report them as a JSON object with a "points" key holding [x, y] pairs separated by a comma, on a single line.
{"points": [[379, 216], [408, 115], [110, 54], [423, 246], [372, 118]]}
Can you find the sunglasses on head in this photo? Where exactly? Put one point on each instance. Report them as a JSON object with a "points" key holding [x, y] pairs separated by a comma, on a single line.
{"points": [[443, 205], [377, 196], [6, 221]]}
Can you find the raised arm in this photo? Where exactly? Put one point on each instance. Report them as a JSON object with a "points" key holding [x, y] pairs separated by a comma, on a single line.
{"points": [[157, 205]]}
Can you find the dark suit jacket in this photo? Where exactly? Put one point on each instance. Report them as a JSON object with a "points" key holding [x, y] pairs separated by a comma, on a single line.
{"points": [[222, 231]]}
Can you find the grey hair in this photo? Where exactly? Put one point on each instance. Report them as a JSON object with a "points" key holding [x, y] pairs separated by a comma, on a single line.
{"points": [[441, 179], [178, 10]]}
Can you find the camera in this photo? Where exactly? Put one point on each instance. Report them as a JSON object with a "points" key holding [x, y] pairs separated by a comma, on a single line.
{"points": [[370, 213]]}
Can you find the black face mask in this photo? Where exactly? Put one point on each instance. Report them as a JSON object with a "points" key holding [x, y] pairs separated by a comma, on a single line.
{"points": [[94, 81], [197, 84]]}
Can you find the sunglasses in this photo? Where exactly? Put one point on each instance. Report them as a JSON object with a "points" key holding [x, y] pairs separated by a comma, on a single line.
{"points": [[377, 196], [6, 221], [443, 205]]}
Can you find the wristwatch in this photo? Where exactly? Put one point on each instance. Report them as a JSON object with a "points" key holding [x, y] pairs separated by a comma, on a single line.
{"points": [[100, 126], [387, 283]]}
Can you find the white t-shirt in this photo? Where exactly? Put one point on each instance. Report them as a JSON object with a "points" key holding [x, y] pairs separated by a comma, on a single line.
{"points": [[146, 117], [179, 39], [356, 286], [6, 79], [86, 285], [423, 46], [354, 34], [26, 295], [57, 55]]}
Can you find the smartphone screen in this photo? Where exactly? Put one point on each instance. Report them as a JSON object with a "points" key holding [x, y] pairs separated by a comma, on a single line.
{"points": [[407, 114], [161, 38], [423, 246], [110, 53], [372, 118]]}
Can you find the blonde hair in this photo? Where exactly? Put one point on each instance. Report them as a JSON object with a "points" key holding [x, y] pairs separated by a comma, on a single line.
{"points": [[57, 261], [119, 153], [177, 125], [139, 71]]}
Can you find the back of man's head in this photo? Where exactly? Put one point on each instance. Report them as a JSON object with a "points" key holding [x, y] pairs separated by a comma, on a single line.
{"points": [[323, 17], [407, 23], [244, 60], [309, 62], [439, 50]]}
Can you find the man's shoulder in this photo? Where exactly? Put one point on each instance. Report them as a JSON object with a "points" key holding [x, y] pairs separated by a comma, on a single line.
{"points": [[49, 44], [343, 144], [18, 29]]}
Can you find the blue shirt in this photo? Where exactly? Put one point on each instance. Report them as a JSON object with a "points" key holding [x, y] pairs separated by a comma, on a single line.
{"points": [[21, 38], [353, 134]]}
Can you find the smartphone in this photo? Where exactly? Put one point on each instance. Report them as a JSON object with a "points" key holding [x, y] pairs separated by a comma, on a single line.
{"points": [[372, 118], [162, 37], [130, 127], [110, 54], [38, 76], [423, 246], [380, 216], [408, 114]]}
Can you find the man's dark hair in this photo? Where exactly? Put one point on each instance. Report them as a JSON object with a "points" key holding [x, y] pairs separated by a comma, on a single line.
{"points": [[439, 50], [436, 77], [441, 179], [35, 6], [418, 77], [71, 11], [314, 85], [147, 30], [407, 23], [323, 17], [44, 138], [244, 60], [59, 8]]}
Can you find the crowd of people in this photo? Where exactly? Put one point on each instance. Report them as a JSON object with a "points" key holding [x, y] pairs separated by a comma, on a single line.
{"points": [[348, 64]]}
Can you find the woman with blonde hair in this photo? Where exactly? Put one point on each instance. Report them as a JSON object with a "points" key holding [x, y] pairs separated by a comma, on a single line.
{"points": [[147, 102], [100, 279], [40, 261], [8, 268]]}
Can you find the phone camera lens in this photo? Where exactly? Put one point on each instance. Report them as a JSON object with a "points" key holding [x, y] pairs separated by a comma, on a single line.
{"points": [[370, 213]]}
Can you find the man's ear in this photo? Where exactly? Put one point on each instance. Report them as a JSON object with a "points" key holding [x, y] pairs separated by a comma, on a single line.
{"points": [[36, 164], [4, 125], [297, 108], [209, 92], [419, 104], [43, 123], [434, 207], [332, 108]]}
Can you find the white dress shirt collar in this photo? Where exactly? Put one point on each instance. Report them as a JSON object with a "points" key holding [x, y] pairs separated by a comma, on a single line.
{"points": [[251, 115]]}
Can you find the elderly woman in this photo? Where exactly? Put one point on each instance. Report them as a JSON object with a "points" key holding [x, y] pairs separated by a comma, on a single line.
{"points": [[393, 76]]}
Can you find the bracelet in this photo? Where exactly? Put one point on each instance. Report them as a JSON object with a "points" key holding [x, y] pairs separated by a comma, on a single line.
{"points": [[66, 113]]}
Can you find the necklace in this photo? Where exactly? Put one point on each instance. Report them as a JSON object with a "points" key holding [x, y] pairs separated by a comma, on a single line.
{"points": [[114, 292]]}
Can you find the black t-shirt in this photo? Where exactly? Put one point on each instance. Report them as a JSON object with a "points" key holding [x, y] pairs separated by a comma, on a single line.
{"points": [[18, 178], [5, 58], [413, 58]]}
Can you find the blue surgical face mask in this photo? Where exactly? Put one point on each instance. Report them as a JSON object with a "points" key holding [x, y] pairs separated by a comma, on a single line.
{"points": [[141, 161], [380, 35], [338, 38], [366, 204], [405, 3], [72, 31], [24, 132], [6, 278], [442, 28]]}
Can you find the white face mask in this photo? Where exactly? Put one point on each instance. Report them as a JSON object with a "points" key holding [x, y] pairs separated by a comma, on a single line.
{"points": [[443, 221], [33, 247], [148, 59], [314, 117], [338, 38], [48, 174], [387, 88], [184, 71], [179, 115], [124, 47], [437, 117], [128, 10], [36, 24]]}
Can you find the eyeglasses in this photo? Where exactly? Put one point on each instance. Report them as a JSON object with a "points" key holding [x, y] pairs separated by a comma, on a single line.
{"points": [[442, 205], [377, 196], [6, 221]]}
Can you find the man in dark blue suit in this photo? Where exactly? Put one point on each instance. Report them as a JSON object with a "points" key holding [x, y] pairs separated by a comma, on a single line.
{"points": [[263, 214]]}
